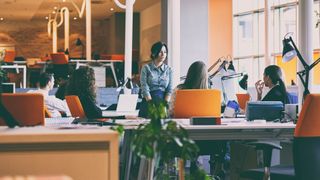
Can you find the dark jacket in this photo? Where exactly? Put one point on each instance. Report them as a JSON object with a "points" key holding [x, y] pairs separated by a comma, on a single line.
{"points": [[90, 108], [275, 94]]}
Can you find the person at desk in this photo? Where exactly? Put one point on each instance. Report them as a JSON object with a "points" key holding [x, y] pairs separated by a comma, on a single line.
{"points": [[197, 78], [56, 107], [82, 84], [272, 78], [156, 78]]}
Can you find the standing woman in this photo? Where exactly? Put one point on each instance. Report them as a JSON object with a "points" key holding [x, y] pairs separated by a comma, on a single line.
{"points": [[156, 78], [272, 78]]}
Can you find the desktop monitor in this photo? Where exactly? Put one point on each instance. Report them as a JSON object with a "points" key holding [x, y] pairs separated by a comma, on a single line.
{"points": [[8, 87]]}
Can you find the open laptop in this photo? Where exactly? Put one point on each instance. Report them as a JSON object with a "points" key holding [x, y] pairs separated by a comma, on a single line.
{"points": [[126, 106]]}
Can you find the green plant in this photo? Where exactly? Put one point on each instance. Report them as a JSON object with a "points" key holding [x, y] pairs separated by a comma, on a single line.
{"points": [[162, 140]]}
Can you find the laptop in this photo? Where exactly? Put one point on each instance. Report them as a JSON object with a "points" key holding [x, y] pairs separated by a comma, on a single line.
{"points": [[126, 106]]}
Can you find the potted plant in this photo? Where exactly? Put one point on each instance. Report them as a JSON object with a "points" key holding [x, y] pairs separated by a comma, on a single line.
{"points": [[161, 141]]}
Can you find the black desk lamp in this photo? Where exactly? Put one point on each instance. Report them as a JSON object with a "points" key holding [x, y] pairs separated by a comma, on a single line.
{"points": [[289, 53], [79, 43]]}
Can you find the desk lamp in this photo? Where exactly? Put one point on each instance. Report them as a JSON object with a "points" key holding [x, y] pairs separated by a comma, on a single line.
{"points": [[289, 53], [79, 43]]}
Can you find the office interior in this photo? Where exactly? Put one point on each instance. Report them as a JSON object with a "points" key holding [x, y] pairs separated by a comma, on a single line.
{"points": [[114, 38]]}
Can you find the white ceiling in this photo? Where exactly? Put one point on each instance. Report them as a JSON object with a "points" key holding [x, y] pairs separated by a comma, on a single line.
{"points": [[38, 9]]}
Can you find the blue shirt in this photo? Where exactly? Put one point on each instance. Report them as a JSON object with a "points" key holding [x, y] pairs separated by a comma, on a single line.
{"points": [[156, 78]]}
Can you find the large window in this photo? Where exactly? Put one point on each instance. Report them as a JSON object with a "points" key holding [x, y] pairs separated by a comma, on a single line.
{"points": [[249, 36]]}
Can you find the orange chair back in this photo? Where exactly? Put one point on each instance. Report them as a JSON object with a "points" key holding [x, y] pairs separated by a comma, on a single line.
{"points": [[242, 100], [197, 102], [112, 56], [75, 106], [59, 58], [26, 108], [308, 124], [9, 56]]}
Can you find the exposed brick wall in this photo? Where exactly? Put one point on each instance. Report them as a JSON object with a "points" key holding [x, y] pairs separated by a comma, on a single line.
{"points": [[31, 39]]}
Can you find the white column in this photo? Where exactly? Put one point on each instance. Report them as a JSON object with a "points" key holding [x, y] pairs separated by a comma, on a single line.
{"points": [[128, 40], [66, 29], [305, 38], [267, 28], [88, 29], [54, 37], [174, 39]]}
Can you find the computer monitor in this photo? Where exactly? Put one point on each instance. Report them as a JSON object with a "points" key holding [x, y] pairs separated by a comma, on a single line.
{"points": [[8, 87]]}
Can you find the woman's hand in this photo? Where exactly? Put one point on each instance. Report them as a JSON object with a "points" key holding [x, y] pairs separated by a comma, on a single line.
{"points": [[259, 86]]}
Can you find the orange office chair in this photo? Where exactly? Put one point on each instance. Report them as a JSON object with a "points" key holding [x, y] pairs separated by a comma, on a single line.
{"points": [[75, 106], [60, 66], [47, 113], [201, 103], [242, 100], [197, 103], [9, 56], [19, 106]]}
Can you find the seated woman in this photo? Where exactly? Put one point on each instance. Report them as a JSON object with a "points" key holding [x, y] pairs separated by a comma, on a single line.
{"points": [[272, 78], [82, 84], [196, 78], [156, 78]]}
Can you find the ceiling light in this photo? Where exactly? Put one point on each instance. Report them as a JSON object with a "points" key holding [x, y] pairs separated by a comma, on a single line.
{"points": [[1, 19], [55, 7], [63, 0], [75, 18], [47, 17], [111, 9], [53, 12]]}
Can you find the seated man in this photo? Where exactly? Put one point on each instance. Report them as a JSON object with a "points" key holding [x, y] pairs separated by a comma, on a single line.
{"points": [[55, 106]]}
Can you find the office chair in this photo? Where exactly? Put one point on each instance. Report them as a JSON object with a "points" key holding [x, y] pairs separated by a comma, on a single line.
{"points": [[306, 146], [9, 56], [75, 106], [60, 66], [26, 108], [203, 103], [242, 100]]}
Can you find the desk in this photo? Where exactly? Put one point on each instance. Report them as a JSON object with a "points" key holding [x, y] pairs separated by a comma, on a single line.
{"points": [[107, 113], [109, 63], [82, 153], [23, 67]]}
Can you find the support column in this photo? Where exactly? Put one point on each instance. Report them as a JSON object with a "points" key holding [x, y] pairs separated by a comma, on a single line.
{"points": [[88, 29], [267, 28], [174, 39], [305, 39]]}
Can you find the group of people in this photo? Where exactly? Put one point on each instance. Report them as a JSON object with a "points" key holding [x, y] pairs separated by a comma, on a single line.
{"points": [[156, 85]]}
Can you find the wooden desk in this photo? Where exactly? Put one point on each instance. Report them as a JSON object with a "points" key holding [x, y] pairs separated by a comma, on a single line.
{"points": [[82, 154]]}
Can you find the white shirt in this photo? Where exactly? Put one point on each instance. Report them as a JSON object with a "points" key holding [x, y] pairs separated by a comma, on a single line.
{"points": [[54, 105]]}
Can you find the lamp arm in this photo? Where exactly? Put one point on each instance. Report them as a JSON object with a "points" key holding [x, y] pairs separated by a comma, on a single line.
{"points": [[231, 76], [305, 65], [314, 64]]}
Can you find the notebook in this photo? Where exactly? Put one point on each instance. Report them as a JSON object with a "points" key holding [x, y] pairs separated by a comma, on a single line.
{"points": [[126, 106]]}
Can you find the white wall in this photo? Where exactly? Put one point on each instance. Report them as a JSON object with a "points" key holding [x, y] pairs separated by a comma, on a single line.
{"points": [[194, 33], [150, 27]]}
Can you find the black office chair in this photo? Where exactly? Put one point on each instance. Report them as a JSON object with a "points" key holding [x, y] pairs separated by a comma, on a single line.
{"points": [[306, 147]]}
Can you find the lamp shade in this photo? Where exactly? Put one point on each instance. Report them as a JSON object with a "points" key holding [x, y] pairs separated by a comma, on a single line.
{"points": [[231, 67], [78, 42], [243, 83], [288, 52]]}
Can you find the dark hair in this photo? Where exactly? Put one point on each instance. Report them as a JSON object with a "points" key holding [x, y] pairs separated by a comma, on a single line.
{"points": [[44, 79], [82, 83], [156, 48], [275, 74], [196, 77]]}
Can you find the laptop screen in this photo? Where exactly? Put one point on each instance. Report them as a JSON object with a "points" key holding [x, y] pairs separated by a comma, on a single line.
{"points": [[127, 102]]}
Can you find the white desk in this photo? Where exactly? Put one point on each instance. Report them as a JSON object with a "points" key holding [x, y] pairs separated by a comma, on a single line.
{"points": [[23, 67], [115, 113], [109, 63]]}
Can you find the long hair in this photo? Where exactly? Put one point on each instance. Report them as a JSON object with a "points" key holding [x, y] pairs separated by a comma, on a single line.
{"points": [[82, 83], [156, 48], [197, 77], [275, 74]]}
